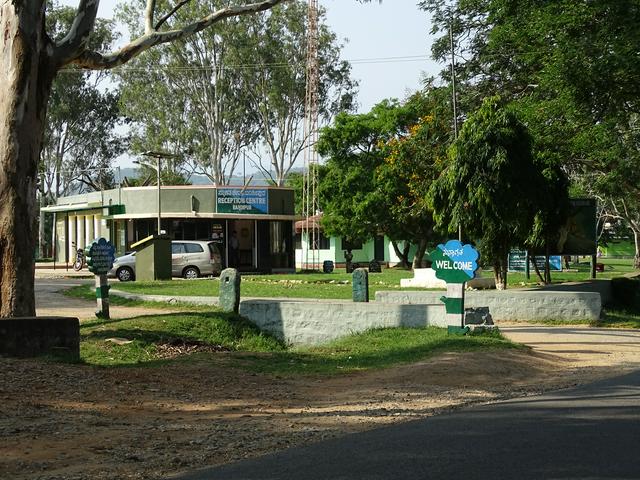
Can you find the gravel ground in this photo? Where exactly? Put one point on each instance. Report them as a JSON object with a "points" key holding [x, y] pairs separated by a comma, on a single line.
{"points": [[69, 422]]}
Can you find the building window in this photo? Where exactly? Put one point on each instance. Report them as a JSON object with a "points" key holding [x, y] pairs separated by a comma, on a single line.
{"points": [[322, 242], [354, 245]]}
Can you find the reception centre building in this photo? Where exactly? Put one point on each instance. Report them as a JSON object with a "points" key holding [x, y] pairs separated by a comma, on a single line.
{"points": [[262, 218]]}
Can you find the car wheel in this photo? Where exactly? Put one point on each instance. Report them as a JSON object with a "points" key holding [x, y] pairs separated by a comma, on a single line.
{"points": [[190, 272], [125, 274]]}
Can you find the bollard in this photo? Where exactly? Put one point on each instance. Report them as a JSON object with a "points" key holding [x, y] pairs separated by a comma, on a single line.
{"points": [[360, 285], [230, 290]]}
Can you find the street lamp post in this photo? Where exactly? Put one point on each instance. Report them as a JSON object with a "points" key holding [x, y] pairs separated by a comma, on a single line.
{"points": [[158, 156]]}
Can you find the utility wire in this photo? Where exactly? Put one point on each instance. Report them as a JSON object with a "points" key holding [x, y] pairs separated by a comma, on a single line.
{"points": [[301, 65]]}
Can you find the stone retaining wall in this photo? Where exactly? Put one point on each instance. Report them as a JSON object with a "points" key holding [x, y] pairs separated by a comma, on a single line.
{"points": [[305, 323], [513, 305], [33, 336]]}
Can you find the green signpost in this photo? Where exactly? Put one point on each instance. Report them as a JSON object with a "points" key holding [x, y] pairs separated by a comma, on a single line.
{"points": [[456, 264], [100, 256]]}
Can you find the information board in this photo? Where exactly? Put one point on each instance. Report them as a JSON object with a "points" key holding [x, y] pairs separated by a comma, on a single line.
{"points": [[518, 261], [100, 255]]}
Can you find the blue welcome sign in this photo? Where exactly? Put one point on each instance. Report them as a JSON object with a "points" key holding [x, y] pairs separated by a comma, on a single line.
{"points": [[454, 262]]}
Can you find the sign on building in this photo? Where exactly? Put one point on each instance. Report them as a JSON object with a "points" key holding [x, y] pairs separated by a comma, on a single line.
{"points": [[242, 201]]}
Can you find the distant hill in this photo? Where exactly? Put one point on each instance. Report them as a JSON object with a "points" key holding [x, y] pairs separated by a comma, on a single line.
{"points": [[258, 179]]}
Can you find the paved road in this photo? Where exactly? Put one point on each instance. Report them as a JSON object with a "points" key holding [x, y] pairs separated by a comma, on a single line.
{"points": [[591, 432], [48, 292]]}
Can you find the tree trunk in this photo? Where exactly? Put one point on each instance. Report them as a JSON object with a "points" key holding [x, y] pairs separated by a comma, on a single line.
{"points": [[500, 274], [636, 257], [537, 270], [402, 255], [547, 267], [25, 79], [419, 256]]}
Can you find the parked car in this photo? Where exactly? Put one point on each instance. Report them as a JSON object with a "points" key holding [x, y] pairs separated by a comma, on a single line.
{"points": [[124, 268], [189, 259]]}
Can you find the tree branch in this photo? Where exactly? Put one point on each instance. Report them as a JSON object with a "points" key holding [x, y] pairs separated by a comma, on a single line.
{"points": [[168, 15], [148, 16], [76, 40], [98, 61]]}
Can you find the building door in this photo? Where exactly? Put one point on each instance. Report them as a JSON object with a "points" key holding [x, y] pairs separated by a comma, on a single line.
{"points": [[241, 245], [378, 248], [264, 247]]}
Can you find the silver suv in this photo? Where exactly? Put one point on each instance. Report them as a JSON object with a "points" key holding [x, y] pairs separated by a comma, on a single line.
{"points": [[189, 259]]}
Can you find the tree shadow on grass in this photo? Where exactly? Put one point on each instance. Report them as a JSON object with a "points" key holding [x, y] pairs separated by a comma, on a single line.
{"points": [[148, 338], [337, 359]]}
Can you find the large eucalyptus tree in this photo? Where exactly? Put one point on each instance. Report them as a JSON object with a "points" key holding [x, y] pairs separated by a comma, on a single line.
{"points": [[29, 61]]}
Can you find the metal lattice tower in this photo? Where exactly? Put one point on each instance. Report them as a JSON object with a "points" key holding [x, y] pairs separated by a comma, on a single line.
{"points": [[310, 228]]}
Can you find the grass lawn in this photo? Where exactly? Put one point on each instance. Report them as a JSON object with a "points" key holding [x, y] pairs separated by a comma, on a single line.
{"points": [[620, 318], [146, 339], [337, 285]]}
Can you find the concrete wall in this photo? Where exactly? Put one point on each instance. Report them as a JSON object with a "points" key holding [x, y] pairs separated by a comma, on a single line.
{"points": [[513, 305], [314, 323], [33, 336]]}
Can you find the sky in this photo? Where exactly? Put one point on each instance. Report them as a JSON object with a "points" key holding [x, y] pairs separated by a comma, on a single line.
{"points": [[388, 45]]}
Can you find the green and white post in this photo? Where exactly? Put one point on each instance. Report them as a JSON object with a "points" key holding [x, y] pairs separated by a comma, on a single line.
{"points": [[456, 264], [100, 255], [102, 296]]}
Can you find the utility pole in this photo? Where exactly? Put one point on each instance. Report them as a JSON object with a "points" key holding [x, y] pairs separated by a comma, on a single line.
{"points": [[311, 229], [454, 97]]}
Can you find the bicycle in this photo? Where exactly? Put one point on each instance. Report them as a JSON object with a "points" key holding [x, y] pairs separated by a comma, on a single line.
{"points": [[80, 261]]}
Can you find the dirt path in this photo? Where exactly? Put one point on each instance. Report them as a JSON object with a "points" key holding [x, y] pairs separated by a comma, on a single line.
{"points": [[79, 422]]}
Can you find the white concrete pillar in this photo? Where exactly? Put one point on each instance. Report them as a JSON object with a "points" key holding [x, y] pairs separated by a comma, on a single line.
{"points": [[88, 229], [80, 231], [97, 231], [71, 238]]}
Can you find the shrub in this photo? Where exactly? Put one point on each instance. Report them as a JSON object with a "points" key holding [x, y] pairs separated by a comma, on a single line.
{"points": [[626, 291]]}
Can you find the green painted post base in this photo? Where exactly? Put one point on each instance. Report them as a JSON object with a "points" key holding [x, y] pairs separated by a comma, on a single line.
{"points": [[102, 296], [454, 330]]}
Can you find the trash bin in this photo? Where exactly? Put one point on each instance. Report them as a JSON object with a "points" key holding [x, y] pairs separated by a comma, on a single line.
{"points": [[153, 258]]}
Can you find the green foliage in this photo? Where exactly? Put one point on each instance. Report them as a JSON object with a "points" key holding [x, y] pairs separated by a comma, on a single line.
{"points": [[490, 186], [80, 141], [413, 160], [380, 166], [233, 90], [295, 180], [626, 292], [354, 148], [570, 67]]}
